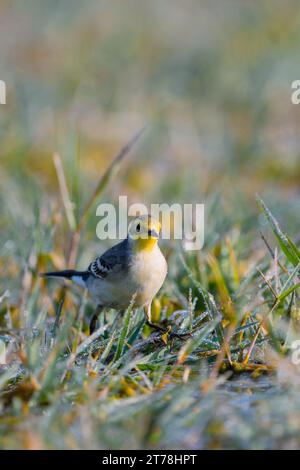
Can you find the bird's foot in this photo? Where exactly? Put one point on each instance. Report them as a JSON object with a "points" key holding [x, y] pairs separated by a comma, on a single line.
{"points": [[168, 333]]}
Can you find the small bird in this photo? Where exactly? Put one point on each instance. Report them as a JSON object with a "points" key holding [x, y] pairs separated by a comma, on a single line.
{"points": [[133, 267]]}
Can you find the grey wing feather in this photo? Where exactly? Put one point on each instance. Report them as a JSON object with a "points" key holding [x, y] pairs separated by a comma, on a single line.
{"points": [[112, 261]]}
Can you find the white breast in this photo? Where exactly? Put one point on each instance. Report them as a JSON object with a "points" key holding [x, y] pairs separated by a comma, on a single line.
{"points": [[148, 274]]}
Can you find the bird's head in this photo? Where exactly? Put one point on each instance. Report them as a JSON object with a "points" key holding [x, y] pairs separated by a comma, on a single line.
{"points": [[144, 232]]}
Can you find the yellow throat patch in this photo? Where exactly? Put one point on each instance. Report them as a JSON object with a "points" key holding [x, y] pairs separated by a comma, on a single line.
{"points": [[146, 244]]}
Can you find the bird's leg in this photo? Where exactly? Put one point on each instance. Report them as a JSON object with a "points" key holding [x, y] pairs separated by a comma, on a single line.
{"points": [[148, 314], [94, 319], [162, 329], [116, 319], [149, 320]]}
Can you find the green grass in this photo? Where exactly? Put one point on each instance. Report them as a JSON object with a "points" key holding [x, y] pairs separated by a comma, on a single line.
{"points": [[126, 386], [212, 83]]}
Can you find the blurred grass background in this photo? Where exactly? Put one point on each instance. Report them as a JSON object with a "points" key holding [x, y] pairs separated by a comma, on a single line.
{"points": [[212, 81]]}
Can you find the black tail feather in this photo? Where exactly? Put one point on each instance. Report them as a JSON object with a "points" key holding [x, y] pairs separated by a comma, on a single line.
{"points": [[69, 274]]}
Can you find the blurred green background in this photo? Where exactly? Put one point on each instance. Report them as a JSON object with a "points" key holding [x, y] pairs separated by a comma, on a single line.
{"points": [[212, 80]]}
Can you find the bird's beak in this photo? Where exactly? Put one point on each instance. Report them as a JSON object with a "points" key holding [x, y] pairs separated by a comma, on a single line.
{"points": [[153, 234]]}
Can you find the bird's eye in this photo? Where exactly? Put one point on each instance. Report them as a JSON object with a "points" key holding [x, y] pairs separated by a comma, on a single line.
{"points": [[138, 227]]}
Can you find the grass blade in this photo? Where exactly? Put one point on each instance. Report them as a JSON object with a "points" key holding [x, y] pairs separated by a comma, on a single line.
{"points": [[68, 205], [121, 343], [109, 173]]}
